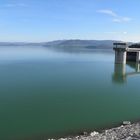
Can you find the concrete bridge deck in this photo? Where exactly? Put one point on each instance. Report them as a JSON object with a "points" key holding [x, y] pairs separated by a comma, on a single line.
{"points": [[127, 49], [133, 49]]}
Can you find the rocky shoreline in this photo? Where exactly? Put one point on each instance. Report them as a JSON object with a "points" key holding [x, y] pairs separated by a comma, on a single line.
{"points": [[126, 131]]}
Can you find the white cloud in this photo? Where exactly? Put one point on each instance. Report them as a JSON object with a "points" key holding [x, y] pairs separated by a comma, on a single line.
{"points": [[122, 19], [114, 32], [126, 19], [108, 12], [117, 20], [125, 33], [115, 17]]}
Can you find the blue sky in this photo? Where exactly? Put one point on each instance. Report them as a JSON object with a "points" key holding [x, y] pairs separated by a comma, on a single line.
{"points": [[47, 20]]}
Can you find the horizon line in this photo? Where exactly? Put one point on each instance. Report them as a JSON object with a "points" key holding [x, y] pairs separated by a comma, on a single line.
{"points": [[65, 40]]}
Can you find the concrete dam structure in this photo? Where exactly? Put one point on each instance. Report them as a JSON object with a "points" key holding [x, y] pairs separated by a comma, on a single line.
{"points": [[124, 53]]}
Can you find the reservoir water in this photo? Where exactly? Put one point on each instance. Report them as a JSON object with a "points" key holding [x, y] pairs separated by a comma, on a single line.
{"points": [[47, 94]]}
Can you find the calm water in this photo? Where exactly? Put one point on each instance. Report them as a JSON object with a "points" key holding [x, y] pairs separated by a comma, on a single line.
{"points": [[46, 94]]}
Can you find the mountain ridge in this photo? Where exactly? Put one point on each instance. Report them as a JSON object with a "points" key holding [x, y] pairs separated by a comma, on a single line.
{"points": [[68, 44], [83, 44]]}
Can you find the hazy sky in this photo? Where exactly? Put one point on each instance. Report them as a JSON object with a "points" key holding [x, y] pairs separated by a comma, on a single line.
{"points": [[45, 20]]}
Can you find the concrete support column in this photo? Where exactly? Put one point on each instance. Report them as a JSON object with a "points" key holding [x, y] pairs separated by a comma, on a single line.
{"points": [[137, 57], [120, 55], [137, 67]]}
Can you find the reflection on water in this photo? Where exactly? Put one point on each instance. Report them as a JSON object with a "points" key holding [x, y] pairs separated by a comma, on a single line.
{"points": [[135, 66], [120, 72], [119, 75]]}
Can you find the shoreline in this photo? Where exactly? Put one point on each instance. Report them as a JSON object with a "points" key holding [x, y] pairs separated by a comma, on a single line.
{"points": [[126, 131]]}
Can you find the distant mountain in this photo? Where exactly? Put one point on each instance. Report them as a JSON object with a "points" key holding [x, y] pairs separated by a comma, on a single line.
{"points": [[68, 44], [81, 44], [21, 44]]}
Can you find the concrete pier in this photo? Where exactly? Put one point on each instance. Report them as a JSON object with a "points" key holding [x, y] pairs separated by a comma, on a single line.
{"points": [[120, 55], [138, 57], [123, 53]]}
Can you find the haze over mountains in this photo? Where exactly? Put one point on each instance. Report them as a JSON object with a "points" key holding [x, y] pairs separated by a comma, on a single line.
{"points": [[87, 44], [68, 44], [20, 44]]}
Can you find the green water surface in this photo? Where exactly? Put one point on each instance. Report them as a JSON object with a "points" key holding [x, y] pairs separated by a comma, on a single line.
{"points": [[47, 94]]}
